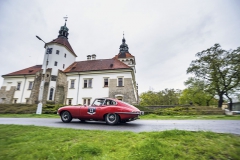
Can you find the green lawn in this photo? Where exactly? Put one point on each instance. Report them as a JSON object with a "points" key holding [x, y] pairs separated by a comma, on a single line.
{"points": [[32, 143], [30, 115], [149, 116], [181, 117]]}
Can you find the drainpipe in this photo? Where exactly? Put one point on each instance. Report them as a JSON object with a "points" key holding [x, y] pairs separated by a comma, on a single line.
{"points": [[23, 88], [78, 86]]}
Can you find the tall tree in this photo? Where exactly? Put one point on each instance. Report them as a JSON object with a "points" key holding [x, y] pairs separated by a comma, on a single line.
{"points": [[197, 93], [164, 97], [220, 69]]}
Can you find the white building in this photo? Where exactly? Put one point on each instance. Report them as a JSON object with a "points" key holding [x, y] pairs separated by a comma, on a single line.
{"points": [[62, 80]]}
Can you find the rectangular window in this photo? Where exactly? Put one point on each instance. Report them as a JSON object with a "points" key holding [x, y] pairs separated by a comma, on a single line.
{"points": [[55, 64], [30, 85], [87, 83], [49, 51], [86, 101], [57, 51], [105, 82], [18, 86], [72, 83], [65, 55], [69, 101], [90, 83], [120, 82], [15, 101], [63, 66]]}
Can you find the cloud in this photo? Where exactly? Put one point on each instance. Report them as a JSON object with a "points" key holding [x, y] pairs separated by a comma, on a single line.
{"points": [[164, 36]]}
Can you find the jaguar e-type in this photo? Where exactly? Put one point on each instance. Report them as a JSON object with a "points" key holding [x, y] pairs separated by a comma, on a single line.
{"points": [[112, 111]]}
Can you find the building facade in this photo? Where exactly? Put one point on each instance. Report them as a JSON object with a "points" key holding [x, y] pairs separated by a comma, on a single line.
{"points": [[63, 80]]}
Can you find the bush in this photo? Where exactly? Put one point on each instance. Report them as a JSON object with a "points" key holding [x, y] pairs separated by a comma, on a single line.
{"points": [[28, 108], [180, 110]]}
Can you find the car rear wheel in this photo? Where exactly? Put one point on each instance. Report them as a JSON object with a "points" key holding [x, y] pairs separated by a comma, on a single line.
{"points": [[112, 118], [66, 117]]}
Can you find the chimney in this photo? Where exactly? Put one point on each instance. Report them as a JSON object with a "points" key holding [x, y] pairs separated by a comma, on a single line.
{"points": [[94, 57], [88, 57]]}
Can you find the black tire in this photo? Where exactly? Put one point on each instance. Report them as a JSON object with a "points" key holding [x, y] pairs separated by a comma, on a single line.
{"points": [[66, 117], [112, 118]]}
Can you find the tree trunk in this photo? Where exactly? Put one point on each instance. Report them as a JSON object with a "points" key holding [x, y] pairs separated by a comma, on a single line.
{"points": [[220, 101], [230, 102], [230, 105], [207, 103]]}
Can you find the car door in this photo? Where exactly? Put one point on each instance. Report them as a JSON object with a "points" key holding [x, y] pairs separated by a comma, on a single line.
{"points": [[90, 112]]}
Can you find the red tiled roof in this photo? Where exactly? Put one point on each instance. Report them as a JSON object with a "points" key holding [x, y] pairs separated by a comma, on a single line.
{"points": [[27, 71], [96, 65], [63, 41], [124, 55]]}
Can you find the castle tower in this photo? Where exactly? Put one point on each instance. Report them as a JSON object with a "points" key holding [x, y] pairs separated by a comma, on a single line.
{"points": [[125, 56], [59, 53], [58, 56]]}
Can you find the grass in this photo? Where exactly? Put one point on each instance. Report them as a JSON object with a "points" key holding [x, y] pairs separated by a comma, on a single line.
{"points": [[29, 115], [181, 117], [31, 142], [148, 116]]}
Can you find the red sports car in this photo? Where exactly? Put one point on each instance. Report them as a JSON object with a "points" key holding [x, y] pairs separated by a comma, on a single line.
{"points": [[110, 110]]}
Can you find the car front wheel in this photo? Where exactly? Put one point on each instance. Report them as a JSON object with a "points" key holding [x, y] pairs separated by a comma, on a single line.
{"points": [[112, 118], [66, 117]]}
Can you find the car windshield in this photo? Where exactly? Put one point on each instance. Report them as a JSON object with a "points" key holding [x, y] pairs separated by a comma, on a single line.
{"points": [[98, 102], [110, 102], [104, 102]]}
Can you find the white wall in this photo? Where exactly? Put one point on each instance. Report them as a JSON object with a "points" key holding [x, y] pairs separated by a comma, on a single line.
{"points": [[70, 58], [24, 92], [60, 59], [97, 91]]}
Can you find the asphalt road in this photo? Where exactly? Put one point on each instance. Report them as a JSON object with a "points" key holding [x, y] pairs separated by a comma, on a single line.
{"points": [[219, 126]]}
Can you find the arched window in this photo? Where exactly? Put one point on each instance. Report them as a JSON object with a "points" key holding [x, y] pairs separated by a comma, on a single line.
{"points": [[51, 94]]}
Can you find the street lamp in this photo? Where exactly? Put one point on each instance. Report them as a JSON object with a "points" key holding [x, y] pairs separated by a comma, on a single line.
{"points": [[40, 97]]}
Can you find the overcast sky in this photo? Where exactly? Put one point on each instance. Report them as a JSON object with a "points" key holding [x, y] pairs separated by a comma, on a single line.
{"points": [[164, 36]]}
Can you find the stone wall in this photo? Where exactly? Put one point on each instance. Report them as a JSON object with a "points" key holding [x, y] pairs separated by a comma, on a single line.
{"points": [[6, 97], [61, 88], [127, 91], [33, 99]]}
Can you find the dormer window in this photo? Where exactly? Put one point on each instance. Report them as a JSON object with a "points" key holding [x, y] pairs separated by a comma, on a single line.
{"points": [[30, 71]]}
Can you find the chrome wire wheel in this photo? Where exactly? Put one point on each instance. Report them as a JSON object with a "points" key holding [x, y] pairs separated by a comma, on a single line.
{"points": [[66, 117], [112, 118]]}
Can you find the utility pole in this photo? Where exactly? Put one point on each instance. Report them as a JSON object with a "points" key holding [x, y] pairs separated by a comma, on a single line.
{"points": [[40, 97]]}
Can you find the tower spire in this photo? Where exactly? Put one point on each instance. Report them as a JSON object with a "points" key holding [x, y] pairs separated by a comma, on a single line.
{"points": [[123, 47], [63, 32], [123, 40], [65, 20]]}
